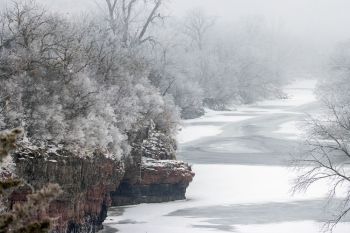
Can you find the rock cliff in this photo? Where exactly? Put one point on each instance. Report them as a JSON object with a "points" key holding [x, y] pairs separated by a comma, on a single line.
{"points": [[91, 184], [86, 184], [159, 181], [156, 176]]}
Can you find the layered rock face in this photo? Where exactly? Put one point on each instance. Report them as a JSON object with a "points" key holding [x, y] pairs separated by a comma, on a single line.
{"points": [[157, 176], [159, 181], [86, 183], [91, 184]]}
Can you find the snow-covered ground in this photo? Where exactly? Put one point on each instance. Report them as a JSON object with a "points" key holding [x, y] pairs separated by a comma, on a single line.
{"points": [[210, 124], [232, 197]]}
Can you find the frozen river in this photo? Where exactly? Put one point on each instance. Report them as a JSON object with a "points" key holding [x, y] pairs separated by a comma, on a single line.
{"points": [[243, 181]]}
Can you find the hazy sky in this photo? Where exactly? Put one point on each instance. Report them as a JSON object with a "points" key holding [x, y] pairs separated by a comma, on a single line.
{"points": [[317, 19]]}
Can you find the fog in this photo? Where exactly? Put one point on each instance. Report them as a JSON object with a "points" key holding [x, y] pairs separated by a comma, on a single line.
{"points": [[322, 19], [317, 20], [238, 88]]}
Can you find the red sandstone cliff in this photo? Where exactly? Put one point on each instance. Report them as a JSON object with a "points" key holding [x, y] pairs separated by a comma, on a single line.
{"points": [[158, 181], [86, 184]]}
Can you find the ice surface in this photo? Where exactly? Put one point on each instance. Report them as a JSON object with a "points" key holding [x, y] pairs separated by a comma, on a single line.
{"points": [[290, 227], [237, 198], [203, 127], [191, 133], [218, 116], [299, 93], [211, 124], [291, 130], [223, 185]]}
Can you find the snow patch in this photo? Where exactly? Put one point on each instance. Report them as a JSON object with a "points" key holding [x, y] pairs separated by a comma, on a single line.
{"points": [[7, 166], [291, 130], [192, 133], [211, 124], [290, 227], [218, 117]]}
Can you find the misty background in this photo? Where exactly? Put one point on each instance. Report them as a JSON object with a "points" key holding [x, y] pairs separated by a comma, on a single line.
{"points": [[313, 26], [320, 21], [241, 89]]}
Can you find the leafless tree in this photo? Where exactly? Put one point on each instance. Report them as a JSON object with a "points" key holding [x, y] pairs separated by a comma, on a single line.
{"points": [[128, 18], [327, 156], [112, 5], [197, 25]]}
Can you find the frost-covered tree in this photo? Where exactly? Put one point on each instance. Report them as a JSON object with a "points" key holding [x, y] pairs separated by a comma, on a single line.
{"points": [[73, 82], [327, 157], [240, 63]]}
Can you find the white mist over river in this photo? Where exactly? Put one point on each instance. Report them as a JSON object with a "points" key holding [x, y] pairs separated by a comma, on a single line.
{"points": [[243, 181]]}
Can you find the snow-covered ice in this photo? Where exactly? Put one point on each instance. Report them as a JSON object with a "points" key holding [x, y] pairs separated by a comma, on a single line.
{"points": [[203, 127], [237, 198], [191, 133], [299, 93], [223, 185], [218, 117], [291, 129], [211, 124], [292, 227]]}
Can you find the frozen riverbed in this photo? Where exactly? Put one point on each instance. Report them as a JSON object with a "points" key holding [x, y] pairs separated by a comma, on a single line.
{"points": [[243, 182]]}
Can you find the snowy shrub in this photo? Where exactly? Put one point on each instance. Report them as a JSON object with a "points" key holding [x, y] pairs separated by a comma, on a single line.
{"points": [[74, 82]]}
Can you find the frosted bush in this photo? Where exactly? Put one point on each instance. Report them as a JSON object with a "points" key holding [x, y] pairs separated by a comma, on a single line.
{"points": [[73, 83]]}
